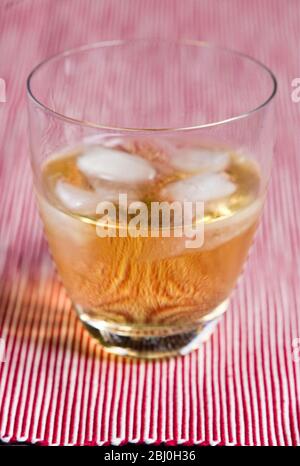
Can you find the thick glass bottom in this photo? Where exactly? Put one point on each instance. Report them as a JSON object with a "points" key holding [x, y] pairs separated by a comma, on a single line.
{"points": [[151, 342]]}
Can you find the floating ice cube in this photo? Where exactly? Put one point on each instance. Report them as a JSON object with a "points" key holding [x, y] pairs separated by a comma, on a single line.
{"points": [[204, 187], [193, 159], [85, 202], [63, 225], [115, 165], [77, 199]]}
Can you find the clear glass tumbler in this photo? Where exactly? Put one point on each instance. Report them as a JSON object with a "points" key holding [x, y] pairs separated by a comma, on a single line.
{"points": [[125, 134]]}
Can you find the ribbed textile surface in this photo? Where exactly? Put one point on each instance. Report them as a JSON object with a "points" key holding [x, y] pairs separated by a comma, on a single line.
{"points": [[56, 384]]}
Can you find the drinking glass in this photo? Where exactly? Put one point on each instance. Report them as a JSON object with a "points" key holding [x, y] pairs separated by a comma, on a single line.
{"points": [[118, 128]]}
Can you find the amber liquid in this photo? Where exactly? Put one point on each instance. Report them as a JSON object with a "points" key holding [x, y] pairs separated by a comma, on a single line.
{"points": [[152, 281]]}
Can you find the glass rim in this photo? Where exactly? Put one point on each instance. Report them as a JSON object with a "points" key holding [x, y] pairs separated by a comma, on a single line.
{"points": [[115, 42]]}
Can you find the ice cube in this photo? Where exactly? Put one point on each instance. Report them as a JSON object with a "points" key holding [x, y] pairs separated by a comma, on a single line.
{"points": [[204, 187], [85, 202], [193, 159], [78, 233], [115, 165], [76, 199]]}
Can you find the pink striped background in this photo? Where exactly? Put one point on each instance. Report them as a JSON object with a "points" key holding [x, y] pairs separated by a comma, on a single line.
{"points": [[56, 385]]}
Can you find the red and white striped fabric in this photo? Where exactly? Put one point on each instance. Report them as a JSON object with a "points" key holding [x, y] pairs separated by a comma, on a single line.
{"points": [[56, 384]]}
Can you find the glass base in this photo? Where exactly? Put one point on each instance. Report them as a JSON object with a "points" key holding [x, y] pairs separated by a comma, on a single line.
{"points": [[151, 342]]}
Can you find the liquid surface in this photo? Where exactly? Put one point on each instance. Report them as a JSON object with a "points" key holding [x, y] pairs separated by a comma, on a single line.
{"points": [[237, 170]]}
